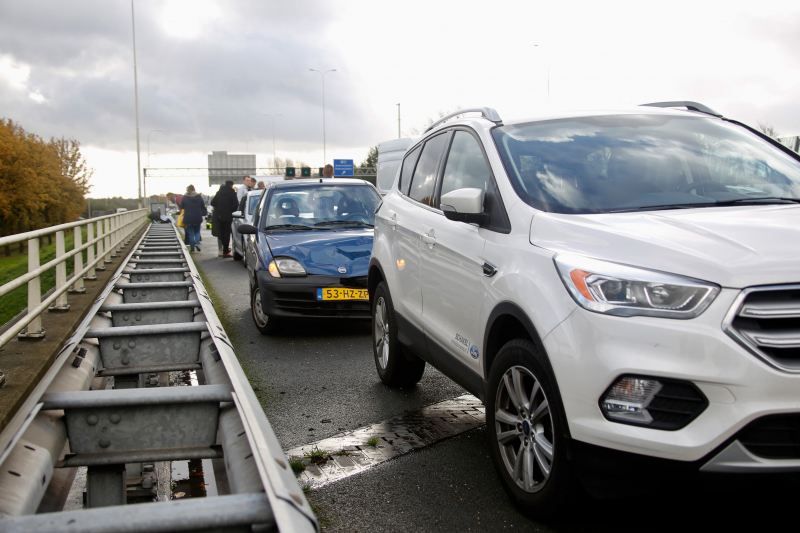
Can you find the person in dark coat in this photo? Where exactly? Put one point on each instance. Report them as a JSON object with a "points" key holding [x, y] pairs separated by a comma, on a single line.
{"points": [[194, 209], [225, 203]]}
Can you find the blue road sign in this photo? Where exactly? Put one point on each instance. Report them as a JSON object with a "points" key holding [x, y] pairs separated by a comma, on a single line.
{"points": [[342, 167]]}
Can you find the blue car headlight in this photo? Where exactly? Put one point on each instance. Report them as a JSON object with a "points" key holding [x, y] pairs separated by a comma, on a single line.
{"points": [[286, 266]]}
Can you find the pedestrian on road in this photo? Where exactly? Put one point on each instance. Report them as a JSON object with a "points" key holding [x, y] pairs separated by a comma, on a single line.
{"points": [[261, 185], [247, 185], [194, 209], [327, 172], [224, 203]]}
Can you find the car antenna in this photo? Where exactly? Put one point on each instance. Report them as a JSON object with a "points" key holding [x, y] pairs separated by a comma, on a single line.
{"points": [[320, 180]]}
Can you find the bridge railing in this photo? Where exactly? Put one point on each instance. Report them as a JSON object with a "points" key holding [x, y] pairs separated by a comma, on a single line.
{"points": [[104, 238]]}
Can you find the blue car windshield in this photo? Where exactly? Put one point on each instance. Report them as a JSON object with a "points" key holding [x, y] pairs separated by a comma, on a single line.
{"points": [[630, 162], [323, 206]]}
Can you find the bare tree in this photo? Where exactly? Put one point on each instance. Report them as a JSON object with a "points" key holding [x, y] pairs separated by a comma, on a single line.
{"points": [[767, 129], [419, 130]]}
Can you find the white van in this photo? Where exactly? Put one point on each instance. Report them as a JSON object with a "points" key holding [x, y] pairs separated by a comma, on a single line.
{"points": [[390, 155]]}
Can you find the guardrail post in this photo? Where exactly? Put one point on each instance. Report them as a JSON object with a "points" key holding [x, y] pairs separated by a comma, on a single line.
{"points": [[34, 329], [91, 275], [60, 304], [107, 239], [100, 265], [113, 222], [77, 286]]}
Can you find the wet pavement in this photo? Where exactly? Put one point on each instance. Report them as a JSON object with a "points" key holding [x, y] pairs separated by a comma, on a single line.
{"points": [[317, 380]]}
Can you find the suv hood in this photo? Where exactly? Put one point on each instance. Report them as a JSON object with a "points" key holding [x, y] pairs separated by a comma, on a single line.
{"points": [[323, 252], [735, 247]]}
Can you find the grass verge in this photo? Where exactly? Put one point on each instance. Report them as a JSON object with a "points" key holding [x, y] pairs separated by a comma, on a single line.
{"points": [[259, 384]]}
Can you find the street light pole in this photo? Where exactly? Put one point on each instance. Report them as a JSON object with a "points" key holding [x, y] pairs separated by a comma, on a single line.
{"points": [[398, 121], [247, 144], [324, 149], [136, 100], [273, 117]]}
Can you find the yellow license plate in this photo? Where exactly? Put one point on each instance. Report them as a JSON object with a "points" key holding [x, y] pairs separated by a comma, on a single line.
{"points": [[339, 293]]}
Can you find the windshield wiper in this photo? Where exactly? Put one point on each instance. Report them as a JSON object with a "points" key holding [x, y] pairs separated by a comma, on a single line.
{"points": [[289, 226], [337, 222], [660, 207], [755, 198]]}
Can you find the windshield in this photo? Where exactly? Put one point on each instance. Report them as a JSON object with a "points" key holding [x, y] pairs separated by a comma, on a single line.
{"points": [[628, 162], [325, 206]]}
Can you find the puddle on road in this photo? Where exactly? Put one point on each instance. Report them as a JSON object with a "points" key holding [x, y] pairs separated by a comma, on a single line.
{"points": [[349, 453]]}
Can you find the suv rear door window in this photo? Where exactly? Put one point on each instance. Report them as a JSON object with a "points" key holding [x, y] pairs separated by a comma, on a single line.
{"points": [[408, 169], [422, 186]]}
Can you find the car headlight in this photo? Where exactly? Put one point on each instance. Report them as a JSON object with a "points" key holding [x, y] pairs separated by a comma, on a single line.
{"points": [[621, 290], [284, 266]]}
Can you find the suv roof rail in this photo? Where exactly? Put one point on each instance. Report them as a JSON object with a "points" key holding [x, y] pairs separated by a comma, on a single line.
{"points": [[486, 112], [691, 106]]}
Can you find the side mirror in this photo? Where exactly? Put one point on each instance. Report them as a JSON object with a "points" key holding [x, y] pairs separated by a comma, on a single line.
{"points": [[465, 205], [237, 214], [247, 229]]}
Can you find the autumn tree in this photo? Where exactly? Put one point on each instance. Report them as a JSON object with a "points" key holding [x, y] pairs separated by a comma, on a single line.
{"points": [[42, 183]]}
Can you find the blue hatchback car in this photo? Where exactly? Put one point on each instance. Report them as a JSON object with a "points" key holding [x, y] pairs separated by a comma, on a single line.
{"points": [[308, 250]]}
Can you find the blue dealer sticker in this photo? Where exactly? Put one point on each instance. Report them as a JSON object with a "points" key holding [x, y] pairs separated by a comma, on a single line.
{"points": [[319, 294], [473, 351]]}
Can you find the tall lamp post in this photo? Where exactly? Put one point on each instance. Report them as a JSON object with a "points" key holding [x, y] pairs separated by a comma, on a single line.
{"points": [[246, 144], [273, 117], [136, 100], [324, 152], [148, 159]]}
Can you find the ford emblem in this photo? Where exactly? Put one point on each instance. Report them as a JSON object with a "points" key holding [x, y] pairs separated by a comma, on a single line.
{"points": [[342, 270]]}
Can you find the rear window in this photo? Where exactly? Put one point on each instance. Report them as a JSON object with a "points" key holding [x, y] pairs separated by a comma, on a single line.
{"points": [[623, 162]]}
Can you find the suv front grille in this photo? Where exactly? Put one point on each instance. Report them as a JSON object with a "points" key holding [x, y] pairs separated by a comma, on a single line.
{"points": [[773, 436], [766, 321]]}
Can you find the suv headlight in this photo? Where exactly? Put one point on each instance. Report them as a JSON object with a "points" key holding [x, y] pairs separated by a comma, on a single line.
{"points": [[287, 267], [621, 290]]}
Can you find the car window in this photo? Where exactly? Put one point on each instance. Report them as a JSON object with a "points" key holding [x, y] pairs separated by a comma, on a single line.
{"points": [[466, 167], [409, 163], [425, 175], [252, 202], [325, 205], [625, 162]]}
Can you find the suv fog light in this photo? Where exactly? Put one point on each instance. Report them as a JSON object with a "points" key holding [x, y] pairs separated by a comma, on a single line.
{"points": [[628, 398]]}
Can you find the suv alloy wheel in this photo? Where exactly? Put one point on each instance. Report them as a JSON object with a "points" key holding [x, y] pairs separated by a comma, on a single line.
{"points": [[524, 425], [396, 367]]}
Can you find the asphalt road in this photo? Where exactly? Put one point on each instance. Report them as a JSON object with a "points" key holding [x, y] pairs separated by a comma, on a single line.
{"points": [[324, 370]]}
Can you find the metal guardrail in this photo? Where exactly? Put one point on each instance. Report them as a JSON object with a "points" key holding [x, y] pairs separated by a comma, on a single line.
{"points": [[154, 316], [113, 232]]}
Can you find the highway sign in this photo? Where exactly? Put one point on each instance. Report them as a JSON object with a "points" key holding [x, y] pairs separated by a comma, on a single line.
{"points": [[342, 167]]}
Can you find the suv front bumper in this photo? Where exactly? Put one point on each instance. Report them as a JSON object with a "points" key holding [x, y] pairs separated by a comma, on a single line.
{"points": [[589, 351]]}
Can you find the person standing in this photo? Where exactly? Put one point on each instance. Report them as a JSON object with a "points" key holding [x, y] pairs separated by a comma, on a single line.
{"points": [[224, 203], [247, 185], [327, 172], [194, 209], [261, 185]]}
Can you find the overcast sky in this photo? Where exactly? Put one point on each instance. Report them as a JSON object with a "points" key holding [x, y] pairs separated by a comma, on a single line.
{"points": [[208, 70]]}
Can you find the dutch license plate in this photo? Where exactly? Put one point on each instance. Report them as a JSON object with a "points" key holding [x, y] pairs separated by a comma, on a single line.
{"points": [[339, 293]]}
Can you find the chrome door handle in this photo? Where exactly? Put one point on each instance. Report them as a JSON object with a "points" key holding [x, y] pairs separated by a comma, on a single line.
{"points": [[391, 222], [427, 239]]}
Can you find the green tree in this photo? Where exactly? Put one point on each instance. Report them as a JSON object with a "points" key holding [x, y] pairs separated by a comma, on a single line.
{"points": [[372, 158]]}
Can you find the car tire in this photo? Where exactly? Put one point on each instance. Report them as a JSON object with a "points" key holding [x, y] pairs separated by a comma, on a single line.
{"points": [[526, 431], [236, 255], [266, 325], [396, 367]]}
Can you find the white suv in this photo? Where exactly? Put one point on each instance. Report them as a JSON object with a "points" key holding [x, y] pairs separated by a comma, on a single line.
{"points": [[620, 288]]}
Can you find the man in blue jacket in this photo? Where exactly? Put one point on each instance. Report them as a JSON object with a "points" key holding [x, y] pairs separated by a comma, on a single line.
{"points": [[194, 209]]}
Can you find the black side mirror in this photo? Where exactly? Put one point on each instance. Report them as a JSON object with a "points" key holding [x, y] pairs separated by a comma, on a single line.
{"points": [[481, 219], [247, 229]]}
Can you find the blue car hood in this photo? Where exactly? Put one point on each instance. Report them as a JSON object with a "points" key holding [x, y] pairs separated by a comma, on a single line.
{"points": [[323, 252]]}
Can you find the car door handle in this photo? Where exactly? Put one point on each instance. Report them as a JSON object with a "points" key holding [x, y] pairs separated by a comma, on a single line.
{"points": [[391, 220], [427, 239]]}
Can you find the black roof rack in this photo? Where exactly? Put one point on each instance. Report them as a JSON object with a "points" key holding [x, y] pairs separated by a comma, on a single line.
{"points": [[691, 106], [486, 112]]}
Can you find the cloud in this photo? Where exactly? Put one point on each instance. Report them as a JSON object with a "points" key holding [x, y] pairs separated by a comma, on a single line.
{"points": [[206, 73]]}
